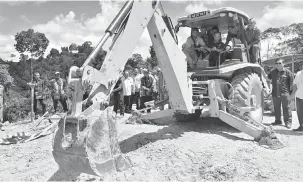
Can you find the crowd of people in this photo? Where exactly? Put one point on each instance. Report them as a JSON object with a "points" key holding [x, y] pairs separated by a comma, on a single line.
{"points": [[206, 44], [137, 87], [133, 87]]}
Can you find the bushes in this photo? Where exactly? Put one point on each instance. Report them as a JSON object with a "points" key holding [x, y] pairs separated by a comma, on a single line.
{"points": [[16, 108]]}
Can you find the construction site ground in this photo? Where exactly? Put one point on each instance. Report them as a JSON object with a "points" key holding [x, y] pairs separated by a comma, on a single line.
{"points": [[206, 149]]}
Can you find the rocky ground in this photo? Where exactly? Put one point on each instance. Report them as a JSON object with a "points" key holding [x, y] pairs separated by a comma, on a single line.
{"points": [[193, 151]]}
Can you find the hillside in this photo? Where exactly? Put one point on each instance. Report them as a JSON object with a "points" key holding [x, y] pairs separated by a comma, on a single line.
{"points": [[17, 97]]}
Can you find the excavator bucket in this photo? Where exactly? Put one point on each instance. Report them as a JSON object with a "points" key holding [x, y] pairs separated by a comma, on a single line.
{"points": [[90, 144]]}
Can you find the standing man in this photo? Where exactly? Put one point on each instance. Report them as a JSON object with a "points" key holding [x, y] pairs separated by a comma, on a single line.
{"points": [[161, 86], [147, 89], [128, 89], [137, 82], [59, 86], [298, 92], [39, 93], [282, 80], [118, 97], [252, 37], [156, 85]]}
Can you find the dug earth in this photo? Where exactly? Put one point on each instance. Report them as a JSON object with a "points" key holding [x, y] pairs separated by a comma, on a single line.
{"points": [[194, 151]]}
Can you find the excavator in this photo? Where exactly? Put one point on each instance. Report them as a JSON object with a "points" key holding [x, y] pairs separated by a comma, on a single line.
{"points": [[86, 138]]}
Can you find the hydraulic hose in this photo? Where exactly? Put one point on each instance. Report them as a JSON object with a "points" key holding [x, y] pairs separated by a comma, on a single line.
{"points": [[123, 13]]}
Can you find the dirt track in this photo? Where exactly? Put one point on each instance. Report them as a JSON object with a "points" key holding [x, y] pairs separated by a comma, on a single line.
{"points": [[195, 151]]}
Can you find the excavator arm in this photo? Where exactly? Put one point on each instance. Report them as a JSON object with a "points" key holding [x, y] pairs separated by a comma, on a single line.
{"points": [[133, 18], [87, 138]]}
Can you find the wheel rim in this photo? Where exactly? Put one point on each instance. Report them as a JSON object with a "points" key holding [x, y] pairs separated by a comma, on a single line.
{"points": [[255, 101]]}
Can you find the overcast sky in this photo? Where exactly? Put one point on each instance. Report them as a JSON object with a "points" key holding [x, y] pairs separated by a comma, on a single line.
{"points": [[66, 22]]}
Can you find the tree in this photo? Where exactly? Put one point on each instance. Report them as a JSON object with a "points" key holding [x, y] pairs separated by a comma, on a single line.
{"points": [[86, 48], [23, 57], [64, 51], [33, 42], [153, 61], [134, 61], [73, 47], [54, 53]]}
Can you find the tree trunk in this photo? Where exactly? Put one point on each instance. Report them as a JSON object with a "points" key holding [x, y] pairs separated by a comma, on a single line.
{"points": [[32, 93]]}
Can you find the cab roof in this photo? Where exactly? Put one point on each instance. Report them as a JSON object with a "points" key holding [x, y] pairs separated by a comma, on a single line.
{"points": [[211, 18]]}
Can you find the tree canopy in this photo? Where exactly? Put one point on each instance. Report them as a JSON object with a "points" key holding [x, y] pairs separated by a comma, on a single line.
{"points": [[33, 42]]}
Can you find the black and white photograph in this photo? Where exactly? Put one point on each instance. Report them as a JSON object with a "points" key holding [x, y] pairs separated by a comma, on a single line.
{"points": [[151, 90]]}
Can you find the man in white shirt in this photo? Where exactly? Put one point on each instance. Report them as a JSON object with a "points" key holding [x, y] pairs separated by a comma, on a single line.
{"points": [[298, 95], [137, 82], [128, 89]]}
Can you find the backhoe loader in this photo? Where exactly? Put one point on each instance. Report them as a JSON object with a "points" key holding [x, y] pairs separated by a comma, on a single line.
{"points": [[86, 138]]}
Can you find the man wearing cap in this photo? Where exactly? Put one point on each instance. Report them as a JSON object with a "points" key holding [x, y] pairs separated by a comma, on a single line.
{"points": [[252, 36], [146, 88], [59, 87]]}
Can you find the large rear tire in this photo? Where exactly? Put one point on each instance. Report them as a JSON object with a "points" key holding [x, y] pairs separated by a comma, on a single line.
{"points": [[248, 92]]}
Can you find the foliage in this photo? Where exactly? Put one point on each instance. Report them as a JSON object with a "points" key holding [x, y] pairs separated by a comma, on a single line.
{"points": [[152, 60], [32, 42], [135, 61], [290, 39], [54, 53], [17, 98]]}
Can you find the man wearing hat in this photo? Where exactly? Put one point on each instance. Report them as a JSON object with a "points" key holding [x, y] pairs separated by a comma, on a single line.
{"points": [[59, 86]]}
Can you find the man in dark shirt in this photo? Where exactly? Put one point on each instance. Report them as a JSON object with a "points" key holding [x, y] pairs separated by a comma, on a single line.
{"points": [[39, 95], [216, 46], [282, 81], [146, 89], [118, 97], [211, 34]]}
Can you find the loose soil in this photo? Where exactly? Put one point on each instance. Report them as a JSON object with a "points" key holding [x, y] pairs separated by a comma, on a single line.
{"points": [[201, 150]]}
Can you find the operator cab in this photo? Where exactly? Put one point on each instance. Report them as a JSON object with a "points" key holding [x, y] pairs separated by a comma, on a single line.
{"points": [[226, 21]]}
